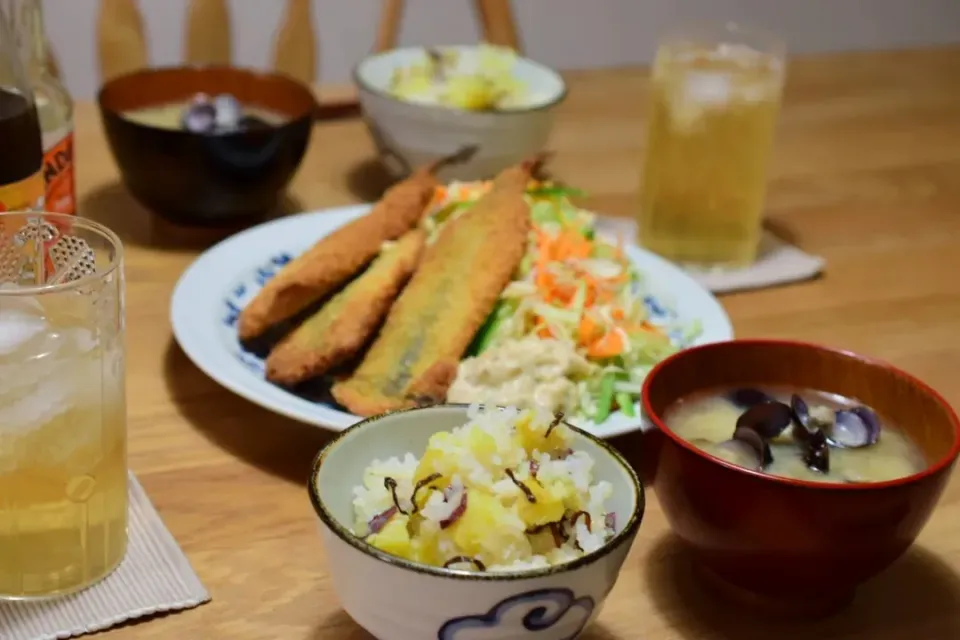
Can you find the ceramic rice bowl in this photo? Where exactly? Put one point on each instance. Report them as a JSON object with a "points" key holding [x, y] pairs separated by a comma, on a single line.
{"points": [[409, 135], [396, 599]]}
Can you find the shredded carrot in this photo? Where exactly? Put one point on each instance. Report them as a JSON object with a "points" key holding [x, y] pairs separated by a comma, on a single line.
{"points": [[643, 327], [613, 343], [544, 279], [591, 297], [564, 294], [439, 195], [646, 326], [604, 295], [561, 279], [569, 244], [589, 330]]}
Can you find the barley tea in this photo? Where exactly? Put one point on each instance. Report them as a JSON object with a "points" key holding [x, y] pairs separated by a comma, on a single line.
{"points": [[63, 471], [713, 108]]}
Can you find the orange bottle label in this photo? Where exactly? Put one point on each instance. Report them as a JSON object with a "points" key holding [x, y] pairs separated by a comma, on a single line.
{"points": [[24, 195], [58, 175]]}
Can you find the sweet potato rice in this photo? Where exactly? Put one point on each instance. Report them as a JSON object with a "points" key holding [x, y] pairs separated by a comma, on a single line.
{"points": [[504, 492]]}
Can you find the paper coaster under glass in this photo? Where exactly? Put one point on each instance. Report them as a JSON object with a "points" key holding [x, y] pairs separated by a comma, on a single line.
{"points": [[154, 577], [779, 262]]}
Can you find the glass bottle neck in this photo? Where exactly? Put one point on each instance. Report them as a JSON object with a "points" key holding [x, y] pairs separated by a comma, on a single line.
{"points": [[33, 41], [13, 40]]}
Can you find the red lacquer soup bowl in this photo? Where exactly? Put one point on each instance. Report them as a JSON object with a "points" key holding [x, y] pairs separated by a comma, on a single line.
{"points": [[789, 543]]}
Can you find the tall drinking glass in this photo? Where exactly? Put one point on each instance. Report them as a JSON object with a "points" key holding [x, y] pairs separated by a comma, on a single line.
{"points": [[714, 99], [63, 460]]}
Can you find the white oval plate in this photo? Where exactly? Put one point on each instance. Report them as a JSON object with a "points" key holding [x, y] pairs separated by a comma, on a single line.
{"points": [[212, 291]]}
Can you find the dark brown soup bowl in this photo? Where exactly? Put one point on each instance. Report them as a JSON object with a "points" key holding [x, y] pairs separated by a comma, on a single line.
{"points": [[789, 545], [207, 179]]}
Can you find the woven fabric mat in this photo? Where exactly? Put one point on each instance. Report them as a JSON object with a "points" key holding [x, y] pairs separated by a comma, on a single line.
{"points": [[779, 263], [154, 577]]}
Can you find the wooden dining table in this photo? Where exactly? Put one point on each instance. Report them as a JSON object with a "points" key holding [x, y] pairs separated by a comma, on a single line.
{"points": [[866, 173]]}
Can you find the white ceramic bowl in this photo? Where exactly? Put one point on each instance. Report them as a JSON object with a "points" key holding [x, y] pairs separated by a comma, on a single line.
{"points": [[410, 135], [395, 599]]}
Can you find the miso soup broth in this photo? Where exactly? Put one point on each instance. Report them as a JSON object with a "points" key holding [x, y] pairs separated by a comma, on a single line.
{"points": [[796, 433], [220, 113]]}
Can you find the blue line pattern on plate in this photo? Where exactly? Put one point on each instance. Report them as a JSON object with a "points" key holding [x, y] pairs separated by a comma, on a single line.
{"points": [[251, 362], [247, 286], [240, 295], [241, 292], [656, 309], [534, 611]]}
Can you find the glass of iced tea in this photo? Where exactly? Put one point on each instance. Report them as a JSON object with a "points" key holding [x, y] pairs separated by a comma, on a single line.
{"points": [[714, 98], [63, 455]]}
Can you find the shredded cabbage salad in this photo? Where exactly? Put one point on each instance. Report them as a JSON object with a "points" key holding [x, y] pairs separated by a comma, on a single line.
{"points": [[581, 289]]}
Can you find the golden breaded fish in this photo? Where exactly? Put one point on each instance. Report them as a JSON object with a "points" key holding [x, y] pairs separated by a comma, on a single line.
{"points": [[343, 326], [415, 358], [336, 258]]}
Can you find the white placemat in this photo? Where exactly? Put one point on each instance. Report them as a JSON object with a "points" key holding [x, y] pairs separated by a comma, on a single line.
{"points": [[779, 262], [154, 577]]}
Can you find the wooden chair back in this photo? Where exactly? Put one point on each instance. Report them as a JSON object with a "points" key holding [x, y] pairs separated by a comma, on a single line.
{"points": [[122, 39], [497, 23]]}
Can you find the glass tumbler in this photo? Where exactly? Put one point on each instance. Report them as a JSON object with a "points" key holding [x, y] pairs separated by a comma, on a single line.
{"points": [[63, 442], [715, 95]]}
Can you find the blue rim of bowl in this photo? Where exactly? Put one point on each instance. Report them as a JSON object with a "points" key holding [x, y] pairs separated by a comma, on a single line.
{"points": [[628, 530], [292, 120], [360, 82]]}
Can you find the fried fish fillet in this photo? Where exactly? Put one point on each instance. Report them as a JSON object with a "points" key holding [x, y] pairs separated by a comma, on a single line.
{"points": [[458, 282], [344, 325], [333, 260]]}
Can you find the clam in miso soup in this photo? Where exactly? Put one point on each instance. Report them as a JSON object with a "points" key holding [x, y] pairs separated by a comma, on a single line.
{"points": [[207, 115], [802, 434]]}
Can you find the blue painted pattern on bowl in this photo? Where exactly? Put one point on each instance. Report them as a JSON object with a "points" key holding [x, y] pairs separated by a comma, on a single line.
{"points": [[534, 611]]}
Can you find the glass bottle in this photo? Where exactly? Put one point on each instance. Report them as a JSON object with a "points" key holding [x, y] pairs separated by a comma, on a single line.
{"points": [[54, 108], [21, 151]]}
